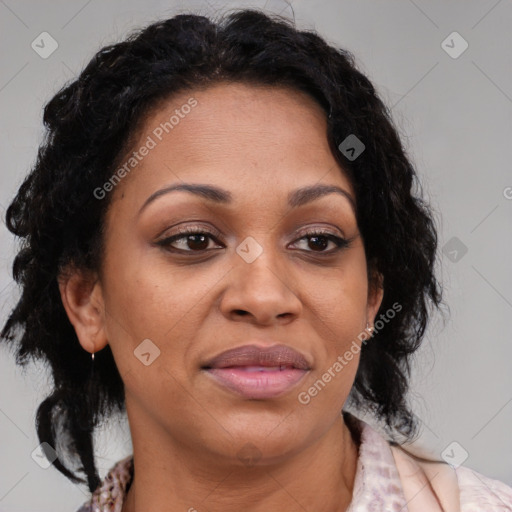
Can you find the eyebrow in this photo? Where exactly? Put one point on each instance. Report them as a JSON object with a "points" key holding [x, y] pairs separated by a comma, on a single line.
{"points": [[296, 198]]}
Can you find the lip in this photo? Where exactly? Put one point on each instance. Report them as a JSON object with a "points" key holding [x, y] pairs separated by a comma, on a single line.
{"points": [[258, 372]]}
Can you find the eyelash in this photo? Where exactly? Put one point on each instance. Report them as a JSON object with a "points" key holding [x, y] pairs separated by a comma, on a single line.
{"points": [[340, 243]]}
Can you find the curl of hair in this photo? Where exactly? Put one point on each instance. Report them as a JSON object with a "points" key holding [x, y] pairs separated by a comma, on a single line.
{"points": [[91, 123]]}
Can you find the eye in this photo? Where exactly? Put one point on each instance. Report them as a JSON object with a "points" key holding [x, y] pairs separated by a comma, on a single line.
{"points": [[320, 239], [194, 239], [190, 239]]}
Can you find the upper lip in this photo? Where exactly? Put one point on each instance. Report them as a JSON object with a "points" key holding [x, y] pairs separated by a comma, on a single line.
{"points": [[254, 355]]}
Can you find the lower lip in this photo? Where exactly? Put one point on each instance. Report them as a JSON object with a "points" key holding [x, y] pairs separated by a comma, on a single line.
{"points": [[257, 384]]}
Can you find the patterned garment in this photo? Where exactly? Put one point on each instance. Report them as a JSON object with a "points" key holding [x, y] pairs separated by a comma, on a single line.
{"points": [[382, 482]]}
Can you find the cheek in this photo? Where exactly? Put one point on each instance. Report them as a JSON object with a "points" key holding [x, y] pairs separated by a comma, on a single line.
{"points": [[338, 298], [338, 310], [147, 298]]}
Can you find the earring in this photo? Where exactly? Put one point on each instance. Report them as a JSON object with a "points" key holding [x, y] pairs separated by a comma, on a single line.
{"points": [[368, 328], [92, 357]]}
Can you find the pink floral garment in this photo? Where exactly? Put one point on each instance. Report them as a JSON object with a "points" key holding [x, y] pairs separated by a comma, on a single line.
{"points": [[385, 481]]}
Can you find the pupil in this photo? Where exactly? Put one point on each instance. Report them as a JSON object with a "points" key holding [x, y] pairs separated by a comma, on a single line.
{"points": [[319, 242], [193, 239]]}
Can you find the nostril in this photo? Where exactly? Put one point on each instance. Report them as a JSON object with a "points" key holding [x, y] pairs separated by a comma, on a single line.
{"points": [[240, 312]]}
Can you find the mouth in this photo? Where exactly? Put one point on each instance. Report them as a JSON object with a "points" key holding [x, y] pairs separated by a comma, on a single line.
{"points": [[258, 372]]}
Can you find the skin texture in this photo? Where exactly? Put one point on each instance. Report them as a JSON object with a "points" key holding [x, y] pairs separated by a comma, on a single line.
{"points": [[187, 431]]}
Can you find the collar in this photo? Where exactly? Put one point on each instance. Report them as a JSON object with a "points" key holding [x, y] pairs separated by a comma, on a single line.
{"points": [[377, 484]]}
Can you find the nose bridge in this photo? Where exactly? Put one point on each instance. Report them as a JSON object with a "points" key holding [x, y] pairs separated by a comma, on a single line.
{"points": [[260, 266], [259, 284]]}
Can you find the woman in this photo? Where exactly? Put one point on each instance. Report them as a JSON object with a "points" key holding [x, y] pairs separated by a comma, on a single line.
{"points": [[221, 238]]}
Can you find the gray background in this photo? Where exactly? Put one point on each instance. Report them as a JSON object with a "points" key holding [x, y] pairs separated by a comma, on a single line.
{"points": [[455, 117]]}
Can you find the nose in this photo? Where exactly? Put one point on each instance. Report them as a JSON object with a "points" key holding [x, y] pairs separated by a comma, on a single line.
{"points": [[261, 292]]}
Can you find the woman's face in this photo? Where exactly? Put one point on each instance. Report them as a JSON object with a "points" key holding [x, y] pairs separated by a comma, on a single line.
{"points": [[266, 268]]}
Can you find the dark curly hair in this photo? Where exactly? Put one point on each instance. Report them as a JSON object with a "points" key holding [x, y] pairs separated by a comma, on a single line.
{"points": [[91, 123]]}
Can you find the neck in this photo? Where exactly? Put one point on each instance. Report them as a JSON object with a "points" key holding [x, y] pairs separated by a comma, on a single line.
{"points": [[321, 477]]}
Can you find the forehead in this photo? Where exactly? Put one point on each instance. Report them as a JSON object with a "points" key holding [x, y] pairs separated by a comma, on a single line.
{"points": [[242, 137]]}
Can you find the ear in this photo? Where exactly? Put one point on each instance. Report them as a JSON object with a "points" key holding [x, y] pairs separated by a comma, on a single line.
{"points": [[82, 297], [375, 296]]}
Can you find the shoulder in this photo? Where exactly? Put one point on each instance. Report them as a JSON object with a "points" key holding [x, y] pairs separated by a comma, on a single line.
{"points": [[458, 489], [111, 492], [85, 508], [478, 492]]}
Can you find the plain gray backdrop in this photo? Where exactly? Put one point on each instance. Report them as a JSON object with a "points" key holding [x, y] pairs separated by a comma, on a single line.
{"points": [[453, 109]]}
